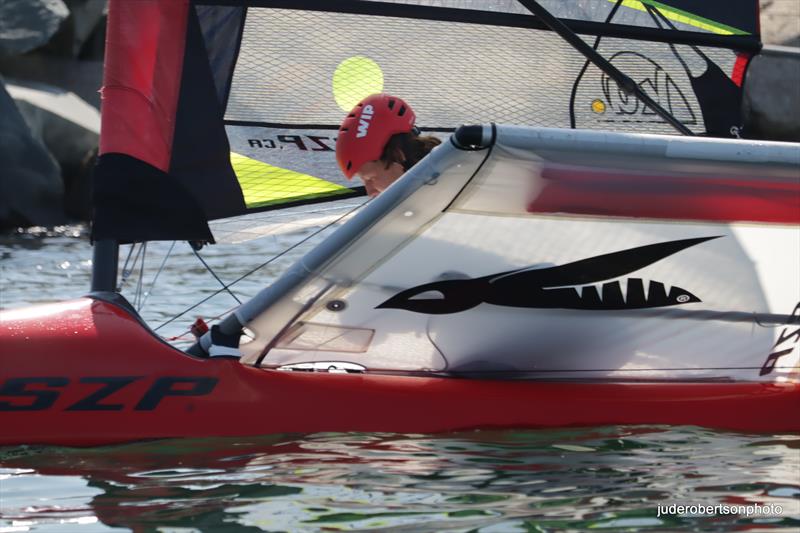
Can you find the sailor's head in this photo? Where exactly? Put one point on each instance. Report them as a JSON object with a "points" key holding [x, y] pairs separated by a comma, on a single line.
{"points": [[378, 142]]}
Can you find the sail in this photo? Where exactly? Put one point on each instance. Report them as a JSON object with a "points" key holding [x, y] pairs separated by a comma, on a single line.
{"points": [[556, 254], [219, 109]]}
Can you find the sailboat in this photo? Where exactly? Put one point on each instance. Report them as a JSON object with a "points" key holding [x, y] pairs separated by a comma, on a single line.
{"points": [[563, 259]]}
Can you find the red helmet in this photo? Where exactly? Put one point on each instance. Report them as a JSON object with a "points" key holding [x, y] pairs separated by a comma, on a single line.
{"points": [[369, 126]]}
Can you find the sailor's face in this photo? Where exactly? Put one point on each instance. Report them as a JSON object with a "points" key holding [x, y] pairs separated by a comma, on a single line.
{"points": [[377, 176]]}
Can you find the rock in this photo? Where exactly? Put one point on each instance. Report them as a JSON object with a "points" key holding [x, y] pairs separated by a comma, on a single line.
{"points": [[772, 95], [28, 24], [780, 22], [66, 124], [94, 46], [86, 16], [70, 128], [83, 78], [31, 189], [78, 199], [85, 19]]}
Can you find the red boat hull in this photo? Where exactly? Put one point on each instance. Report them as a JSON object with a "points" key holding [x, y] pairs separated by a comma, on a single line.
{"points": [[86, 372]]}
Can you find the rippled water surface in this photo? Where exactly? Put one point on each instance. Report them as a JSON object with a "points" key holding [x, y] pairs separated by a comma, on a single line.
{"points": [[610, 478]]}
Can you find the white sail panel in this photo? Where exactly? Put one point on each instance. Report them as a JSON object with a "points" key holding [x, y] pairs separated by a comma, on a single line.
{"points": [[485, 283], [706, 339]]}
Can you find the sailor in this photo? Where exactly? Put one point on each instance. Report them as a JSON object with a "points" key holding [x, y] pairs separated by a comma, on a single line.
{"points": [[378, 142]]}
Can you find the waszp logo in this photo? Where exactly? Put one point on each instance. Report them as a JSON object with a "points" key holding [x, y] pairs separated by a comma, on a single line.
{"points": [[659, 83], [40, 393], [365, 120]]}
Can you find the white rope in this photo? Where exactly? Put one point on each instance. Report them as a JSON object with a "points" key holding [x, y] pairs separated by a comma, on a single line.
{"points": [[273, 258], [140, 281], [155, 278], [126, 272]]}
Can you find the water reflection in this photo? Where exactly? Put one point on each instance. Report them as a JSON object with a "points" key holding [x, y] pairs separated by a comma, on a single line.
{"points": [[612, 478]]}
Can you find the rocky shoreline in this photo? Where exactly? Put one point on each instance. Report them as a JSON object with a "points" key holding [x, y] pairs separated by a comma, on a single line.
{"points": [[51, 63], [51, 56]]}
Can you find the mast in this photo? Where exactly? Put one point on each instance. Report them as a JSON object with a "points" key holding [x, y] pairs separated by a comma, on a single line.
{"points": [[105, 259]]}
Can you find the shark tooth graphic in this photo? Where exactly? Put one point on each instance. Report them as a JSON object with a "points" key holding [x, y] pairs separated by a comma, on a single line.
{"points": [[555, 287]]}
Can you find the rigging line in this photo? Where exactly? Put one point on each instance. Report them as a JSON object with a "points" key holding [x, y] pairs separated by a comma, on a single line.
{"points": [[262, 265], [153, 283], [140, 281], [586, 66], [126, 272], [127, 259], [655, 12], [208, 267], [674, 50]]}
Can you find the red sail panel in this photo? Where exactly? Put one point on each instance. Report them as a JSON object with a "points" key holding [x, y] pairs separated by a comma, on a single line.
{"points": [[718, 199], [739, 68], [144, 56]]}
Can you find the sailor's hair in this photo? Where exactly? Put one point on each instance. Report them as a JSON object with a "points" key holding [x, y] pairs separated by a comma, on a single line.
{"points": [[412, 146]]}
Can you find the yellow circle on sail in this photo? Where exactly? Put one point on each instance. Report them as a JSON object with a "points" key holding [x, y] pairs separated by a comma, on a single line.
{"points": [[598, 106], [354, 79]]}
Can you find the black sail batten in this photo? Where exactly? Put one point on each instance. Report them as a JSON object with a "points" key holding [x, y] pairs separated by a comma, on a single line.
{"points": [[298, 126], [746, 41]]}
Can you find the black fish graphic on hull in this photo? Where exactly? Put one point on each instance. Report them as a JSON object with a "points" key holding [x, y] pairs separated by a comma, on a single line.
{"points": [[528, 287]]}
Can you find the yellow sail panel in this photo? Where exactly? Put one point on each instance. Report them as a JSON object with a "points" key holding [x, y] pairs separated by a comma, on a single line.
{"points": [[264, 184]]}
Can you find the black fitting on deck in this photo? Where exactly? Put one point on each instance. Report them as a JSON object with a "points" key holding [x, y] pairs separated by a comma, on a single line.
{"points": [[472, 137]]}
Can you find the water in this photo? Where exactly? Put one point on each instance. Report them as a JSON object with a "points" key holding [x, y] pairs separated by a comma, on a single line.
{"points": [[610, 478], [606, 478]]}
